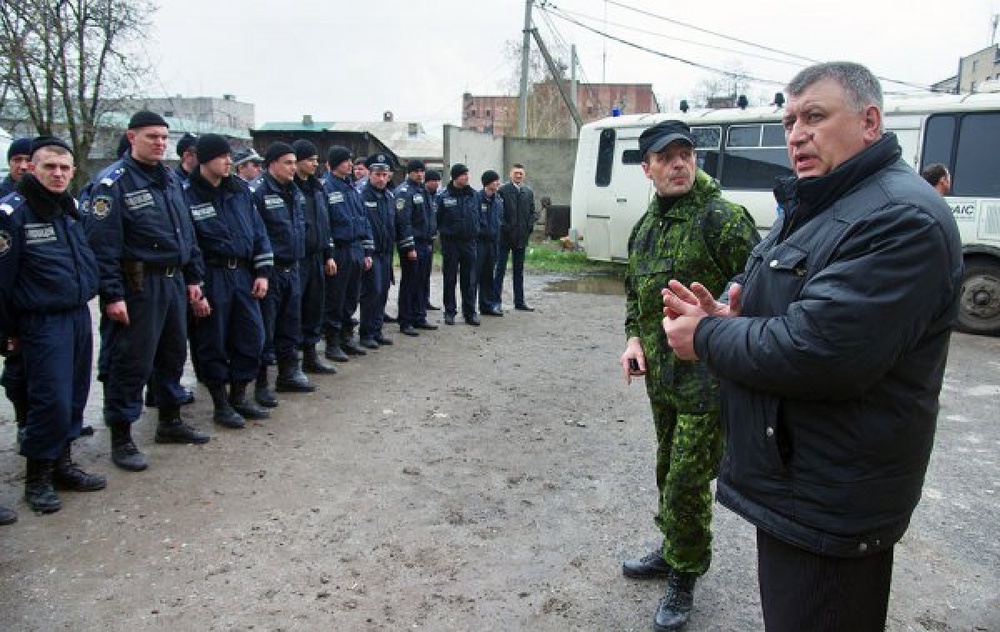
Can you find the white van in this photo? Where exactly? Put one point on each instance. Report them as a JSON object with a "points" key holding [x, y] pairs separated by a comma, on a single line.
{"points": [[744, 149], [5, 141]]}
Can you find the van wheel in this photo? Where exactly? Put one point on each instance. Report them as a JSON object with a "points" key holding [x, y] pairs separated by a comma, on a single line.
{"points": [[979, 308]]}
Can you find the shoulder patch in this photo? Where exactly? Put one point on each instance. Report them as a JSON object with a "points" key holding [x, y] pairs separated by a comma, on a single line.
{"points": [[113, 176]]}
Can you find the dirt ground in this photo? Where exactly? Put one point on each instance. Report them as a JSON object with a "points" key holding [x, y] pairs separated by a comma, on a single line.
{"points": [[468, 479]]}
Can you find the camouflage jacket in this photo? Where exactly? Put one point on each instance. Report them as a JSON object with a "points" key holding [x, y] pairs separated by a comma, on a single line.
{"points": [[703, 238]]}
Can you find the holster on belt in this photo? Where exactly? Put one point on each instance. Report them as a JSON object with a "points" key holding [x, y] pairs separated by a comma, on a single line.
{"points": [[135, 275]]}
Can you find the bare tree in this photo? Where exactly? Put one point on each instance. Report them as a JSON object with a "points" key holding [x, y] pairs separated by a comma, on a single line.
{"points": [[66, 60], [548, 116], [731, 84]]}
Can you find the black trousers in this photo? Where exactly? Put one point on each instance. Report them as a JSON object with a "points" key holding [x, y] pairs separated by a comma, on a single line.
{"points": [[805, 592]]}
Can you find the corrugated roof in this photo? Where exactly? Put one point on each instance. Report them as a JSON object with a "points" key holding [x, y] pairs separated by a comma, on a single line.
{"points": [[393, 134]]}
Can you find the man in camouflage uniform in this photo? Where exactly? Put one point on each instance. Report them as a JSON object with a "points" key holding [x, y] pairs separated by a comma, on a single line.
{"points": [[688, 232]]}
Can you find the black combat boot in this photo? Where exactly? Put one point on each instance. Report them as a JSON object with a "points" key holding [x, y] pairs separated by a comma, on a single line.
{"points": [[7, 516], [333, 350], [172, 429], [312, 363], [291, 379], [224, 415], [675, 606], [124, 454], [248, 408], [262, 390], [350, 344], [67, 475], [649, 566], [38, 490]]}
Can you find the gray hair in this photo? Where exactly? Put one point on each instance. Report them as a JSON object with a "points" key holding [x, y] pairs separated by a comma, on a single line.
{"points": [[862, 87]]}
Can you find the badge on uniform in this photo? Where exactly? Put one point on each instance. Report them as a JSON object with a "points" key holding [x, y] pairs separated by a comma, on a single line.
{"points": [[101, 206], [400, 204]]}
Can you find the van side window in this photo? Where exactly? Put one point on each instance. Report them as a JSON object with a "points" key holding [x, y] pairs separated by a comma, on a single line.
{"points": [[754, 156], [977, 162], [605, 158], [707, 141], [939, 140]]}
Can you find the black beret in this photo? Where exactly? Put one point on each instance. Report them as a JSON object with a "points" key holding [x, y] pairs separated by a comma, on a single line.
{"points": [[432, 176], [304, 149], [48, 141], [458, 169], [277, 150], [20, 147], [337, 155], [211, 146], [489, 176], [186, 142], [145, 118], [662, 134], [415, 165]]}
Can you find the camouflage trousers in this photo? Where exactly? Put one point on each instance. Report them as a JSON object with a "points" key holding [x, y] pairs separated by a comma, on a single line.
{"points": [[688, 449]]}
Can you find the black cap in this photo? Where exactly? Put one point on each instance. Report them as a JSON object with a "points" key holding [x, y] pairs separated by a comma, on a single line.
{"points": [[458, 169], [662, 134], [145, 118], [378, 162], [432, 176], [337, 155], [277, 150], [186, 142], [489, 176], [48, 141], [304, 149], [210, 147], [20, 147], [415, 165], [360, 160], [246, 155]]}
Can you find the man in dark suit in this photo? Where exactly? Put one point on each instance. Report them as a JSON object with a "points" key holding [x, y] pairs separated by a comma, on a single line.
{"points": [[519, 217]]}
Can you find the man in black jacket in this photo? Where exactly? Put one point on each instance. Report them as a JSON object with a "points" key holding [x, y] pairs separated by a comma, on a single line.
{"points": [[831, 352], [518, 221]]}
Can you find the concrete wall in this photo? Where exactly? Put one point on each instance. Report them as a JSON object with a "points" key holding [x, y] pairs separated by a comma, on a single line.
{"points": [[547, 161]]}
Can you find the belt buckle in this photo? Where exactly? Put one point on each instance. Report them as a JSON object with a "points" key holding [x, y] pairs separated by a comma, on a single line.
{"points": [[232, 263], [170, 271]]}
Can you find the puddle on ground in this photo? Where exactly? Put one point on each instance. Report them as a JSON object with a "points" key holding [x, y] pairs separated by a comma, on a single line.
{"points": [[612, 285]]}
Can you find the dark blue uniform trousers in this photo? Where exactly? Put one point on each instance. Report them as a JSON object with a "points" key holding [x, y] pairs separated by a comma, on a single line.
{"points": [[313, 282], [412, 308], [459, 259], [231, 338], [153, 344], [375, 294], [342, 292], [57, 350], [281, 310], [486, 259]]}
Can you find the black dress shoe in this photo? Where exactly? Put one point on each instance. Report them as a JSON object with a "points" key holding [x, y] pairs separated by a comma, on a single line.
{"points": [[524, 308], [383, 340], [408, 330], [369, 343], [492, 311], [433, 308], [650, 566], [472, 320], [426, 325]]}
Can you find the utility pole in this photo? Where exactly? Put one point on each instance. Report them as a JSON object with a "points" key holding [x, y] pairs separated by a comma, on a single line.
{"points": [[557, 77], [573, 84], [522, 108]]}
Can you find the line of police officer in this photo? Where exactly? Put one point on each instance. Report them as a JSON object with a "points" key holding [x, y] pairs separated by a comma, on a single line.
{"points": [[249, 272]]}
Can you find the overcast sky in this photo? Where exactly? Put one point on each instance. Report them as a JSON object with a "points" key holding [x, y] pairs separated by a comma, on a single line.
{"points": [[342, 61]]}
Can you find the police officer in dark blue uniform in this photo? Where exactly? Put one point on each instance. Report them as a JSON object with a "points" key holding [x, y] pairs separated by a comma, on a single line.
{"points": [[414, 206], [18, 158], [319, 263], [386, 237], [352, 253], [188, 156], [279, 203], [43, 246], [432, 184], [138, 224], [490, 216], [238, 260], [458, 223]]}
